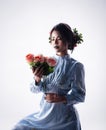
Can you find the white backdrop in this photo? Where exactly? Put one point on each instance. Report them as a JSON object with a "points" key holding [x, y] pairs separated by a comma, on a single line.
{"points": [[24, 28]]}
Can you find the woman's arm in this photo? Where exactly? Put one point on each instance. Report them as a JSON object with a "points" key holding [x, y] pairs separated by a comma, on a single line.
{"points": [[36, 85], [77, 92]]}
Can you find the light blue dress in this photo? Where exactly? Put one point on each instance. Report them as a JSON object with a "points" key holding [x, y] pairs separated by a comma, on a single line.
{"points": [[66, 80]]}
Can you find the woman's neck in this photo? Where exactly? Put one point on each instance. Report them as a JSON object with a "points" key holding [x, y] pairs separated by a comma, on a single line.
{"points": [[62, 53]]}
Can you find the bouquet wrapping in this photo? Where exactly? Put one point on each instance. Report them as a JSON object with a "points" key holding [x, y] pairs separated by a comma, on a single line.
{"points": [[48, 63]]}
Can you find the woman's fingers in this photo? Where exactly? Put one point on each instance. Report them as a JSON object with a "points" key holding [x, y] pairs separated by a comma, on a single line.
{"points": [[39, 71], [54, 98]]}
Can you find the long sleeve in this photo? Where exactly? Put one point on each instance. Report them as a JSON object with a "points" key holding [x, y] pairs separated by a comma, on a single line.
{"points": [[42, 86], [36, 88], [77, 92]]}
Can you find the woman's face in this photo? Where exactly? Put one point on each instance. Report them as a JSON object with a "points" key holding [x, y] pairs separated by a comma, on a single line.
{"points": [[58, 43]]}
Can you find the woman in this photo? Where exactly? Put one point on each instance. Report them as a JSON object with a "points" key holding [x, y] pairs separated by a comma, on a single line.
{"points": [[61, 89]]}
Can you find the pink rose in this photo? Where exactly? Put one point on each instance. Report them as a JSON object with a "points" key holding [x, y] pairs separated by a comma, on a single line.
{"points": [[39, 58], [51, 61], [30, 58]]}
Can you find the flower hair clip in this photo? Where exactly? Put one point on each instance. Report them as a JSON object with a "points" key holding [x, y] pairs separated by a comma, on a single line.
{"points": [[78, 36]]}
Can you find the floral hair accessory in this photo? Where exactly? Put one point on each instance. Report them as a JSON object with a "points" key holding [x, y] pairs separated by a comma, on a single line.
{"points": [[78, 37], [48, 63]]}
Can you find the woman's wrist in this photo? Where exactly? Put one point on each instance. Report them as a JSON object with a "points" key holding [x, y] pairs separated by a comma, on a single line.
{"points": [[37, 80]]}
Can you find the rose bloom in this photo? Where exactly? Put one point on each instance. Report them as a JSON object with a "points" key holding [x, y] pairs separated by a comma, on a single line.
{"points": [[51, 61], [39, 58], [30, 58]]}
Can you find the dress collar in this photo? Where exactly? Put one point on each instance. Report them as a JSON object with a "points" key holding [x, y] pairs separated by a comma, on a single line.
{"points": [[63, 57]]}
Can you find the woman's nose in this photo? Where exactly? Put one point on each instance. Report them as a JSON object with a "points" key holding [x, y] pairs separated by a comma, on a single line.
{"points": [[55, 41]]}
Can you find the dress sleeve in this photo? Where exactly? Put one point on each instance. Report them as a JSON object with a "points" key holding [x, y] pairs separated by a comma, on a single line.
{"points": [[42, 85], [36, 88], [77, 92]]}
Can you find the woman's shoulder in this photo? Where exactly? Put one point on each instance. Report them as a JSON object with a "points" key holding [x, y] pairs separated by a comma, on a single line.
{"points": [[77, 63]]}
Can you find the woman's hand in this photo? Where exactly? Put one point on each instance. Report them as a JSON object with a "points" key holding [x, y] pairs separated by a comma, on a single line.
{"points": [[54, 98], [38, 72]]}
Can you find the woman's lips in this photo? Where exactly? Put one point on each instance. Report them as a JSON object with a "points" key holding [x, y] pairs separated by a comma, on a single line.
{"points": [[56, 47]]}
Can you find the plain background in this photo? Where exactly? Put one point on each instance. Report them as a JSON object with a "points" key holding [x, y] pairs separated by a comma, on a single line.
{"points": [[24, 28]]}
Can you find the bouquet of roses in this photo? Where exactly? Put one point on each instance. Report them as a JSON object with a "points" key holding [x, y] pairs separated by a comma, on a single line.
{"points": [[48, 63]]}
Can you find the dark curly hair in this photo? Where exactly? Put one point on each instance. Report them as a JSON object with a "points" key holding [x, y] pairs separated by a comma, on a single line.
{"points": [[72, 37]]}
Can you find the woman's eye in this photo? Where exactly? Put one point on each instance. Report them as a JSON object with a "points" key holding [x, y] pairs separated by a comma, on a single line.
{"points": [[52, 39], [59, 38]]}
